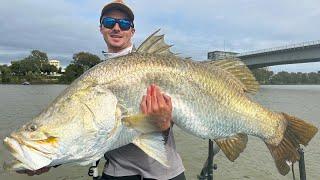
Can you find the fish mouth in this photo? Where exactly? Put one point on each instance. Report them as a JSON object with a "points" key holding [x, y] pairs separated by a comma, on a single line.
{"points": [[30, 155]]}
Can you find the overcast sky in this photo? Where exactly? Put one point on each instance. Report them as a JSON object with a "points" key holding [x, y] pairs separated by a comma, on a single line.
{"points": [[63, 27]]}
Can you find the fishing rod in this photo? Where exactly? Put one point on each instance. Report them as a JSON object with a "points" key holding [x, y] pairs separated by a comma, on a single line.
{"points": [[208, 167], [302, 167], [93, 171]]}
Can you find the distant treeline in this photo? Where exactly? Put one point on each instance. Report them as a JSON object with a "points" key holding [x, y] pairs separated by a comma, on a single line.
{"points": [[36, 69], [265, 76]]}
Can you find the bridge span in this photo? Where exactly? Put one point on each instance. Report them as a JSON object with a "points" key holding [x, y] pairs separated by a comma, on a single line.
{"points": [[291, 54]]}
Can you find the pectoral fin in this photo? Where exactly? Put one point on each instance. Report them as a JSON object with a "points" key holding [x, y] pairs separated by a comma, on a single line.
{"points": [[153, 145], [233, 146], [142, 123]]}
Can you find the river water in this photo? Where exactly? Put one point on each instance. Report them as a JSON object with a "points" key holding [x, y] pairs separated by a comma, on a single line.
{"points": [[18, 104]]}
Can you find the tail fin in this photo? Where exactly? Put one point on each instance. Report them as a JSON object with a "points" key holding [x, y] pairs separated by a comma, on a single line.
{"points": [[297, 132]]}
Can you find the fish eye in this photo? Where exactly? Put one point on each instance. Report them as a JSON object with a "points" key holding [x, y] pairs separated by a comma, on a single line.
{"points": [[32, 127]]}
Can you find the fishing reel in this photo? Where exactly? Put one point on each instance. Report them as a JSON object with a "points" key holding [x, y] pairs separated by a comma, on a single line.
{"points": [[208, 167]]}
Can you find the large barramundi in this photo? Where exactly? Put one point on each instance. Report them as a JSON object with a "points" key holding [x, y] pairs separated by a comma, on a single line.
{"points": [[99, 112]]}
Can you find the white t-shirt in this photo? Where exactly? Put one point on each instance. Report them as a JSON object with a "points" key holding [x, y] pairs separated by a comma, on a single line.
{"points": [[123, 52], [130, 160]]}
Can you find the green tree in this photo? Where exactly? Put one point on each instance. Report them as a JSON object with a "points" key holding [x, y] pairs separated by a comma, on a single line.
{"points": [[281, 78], [30, 76], [38, 56], [5, 74], [82, 61], [48, 68], [85, 60], [304, 78], [22, 67], [296, 78], [299, 78], [39, 60], [72, 72], [60, 70], [314, 78], [263, 75], [36, 63]]}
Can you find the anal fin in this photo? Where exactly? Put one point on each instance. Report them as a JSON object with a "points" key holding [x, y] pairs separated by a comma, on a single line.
{"points": [[153, 145], [233, 146]]}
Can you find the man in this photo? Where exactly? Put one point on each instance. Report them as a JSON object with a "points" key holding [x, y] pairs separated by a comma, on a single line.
{"points": [[129, 162]]}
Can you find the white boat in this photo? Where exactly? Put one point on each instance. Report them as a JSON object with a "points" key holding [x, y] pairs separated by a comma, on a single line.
{"points": [[26, 83]]}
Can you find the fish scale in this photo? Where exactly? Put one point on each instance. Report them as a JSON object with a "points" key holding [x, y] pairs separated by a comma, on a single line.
{"points": [[178, 78]]}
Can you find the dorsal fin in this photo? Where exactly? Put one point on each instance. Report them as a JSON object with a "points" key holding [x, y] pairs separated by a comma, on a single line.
{"points": [[155, 44], [237, 68]]}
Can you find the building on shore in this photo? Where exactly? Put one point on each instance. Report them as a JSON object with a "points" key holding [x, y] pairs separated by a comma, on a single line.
{"points": [[55, 62], [218, 55]]}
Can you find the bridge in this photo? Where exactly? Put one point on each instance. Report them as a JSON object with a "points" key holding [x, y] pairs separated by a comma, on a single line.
{"points": [[291, 54]]}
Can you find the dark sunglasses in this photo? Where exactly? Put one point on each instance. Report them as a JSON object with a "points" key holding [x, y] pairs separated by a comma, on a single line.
{"points": [[109, 23]]}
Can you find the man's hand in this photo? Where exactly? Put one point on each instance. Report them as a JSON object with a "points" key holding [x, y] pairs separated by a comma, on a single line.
{"points": [[36, 172], [159, 105]]}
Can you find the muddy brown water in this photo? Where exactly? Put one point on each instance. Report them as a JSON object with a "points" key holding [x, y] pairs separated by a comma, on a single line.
{"points": [[18, 104]]}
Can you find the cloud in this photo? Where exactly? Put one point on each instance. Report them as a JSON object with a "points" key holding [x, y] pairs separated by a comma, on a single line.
{"points": [[63, 27], [55, 29]]}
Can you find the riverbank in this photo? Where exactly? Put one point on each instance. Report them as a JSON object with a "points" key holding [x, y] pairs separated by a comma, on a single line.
{"points": [[35, 82]]}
